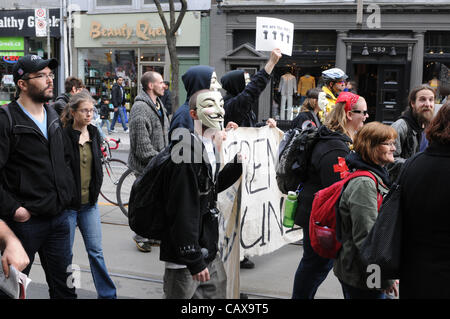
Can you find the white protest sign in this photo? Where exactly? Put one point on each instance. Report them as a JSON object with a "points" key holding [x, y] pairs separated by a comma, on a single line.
{"points": [[274, 33], [252, 212]]}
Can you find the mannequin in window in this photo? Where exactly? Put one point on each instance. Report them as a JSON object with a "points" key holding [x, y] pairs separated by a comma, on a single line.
{"points": [[305, 83], [287, 88]]}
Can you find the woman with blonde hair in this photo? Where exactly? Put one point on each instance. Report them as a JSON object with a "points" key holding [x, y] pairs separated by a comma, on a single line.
{"points": [[374, 146], [327, 166]]}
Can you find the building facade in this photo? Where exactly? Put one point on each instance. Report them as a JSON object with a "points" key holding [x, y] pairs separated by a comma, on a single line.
{"points": [[127, 38], [20, 35], [385, 48]]}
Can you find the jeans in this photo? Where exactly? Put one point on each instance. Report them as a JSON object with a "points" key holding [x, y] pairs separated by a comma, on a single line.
{"points": [[88, 221], [358, 293], [107, 125], [50, 237], [118, 113], [311, 271]]}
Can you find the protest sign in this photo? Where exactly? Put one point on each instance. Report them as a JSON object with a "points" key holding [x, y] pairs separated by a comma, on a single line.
{"points": [[274, 33], [252, 209]]}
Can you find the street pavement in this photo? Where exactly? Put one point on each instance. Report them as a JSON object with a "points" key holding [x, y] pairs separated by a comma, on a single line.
{"points": [[139, 275]]}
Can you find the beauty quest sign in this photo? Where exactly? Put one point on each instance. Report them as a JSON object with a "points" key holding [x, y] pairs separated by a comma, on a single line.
{"points": [[23, 23]]}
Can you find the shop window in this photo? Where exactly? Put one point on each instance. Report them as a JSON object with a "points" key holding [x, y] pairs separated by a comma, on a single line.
{"points": [[153, 55], [99, 69], [110, 3]]}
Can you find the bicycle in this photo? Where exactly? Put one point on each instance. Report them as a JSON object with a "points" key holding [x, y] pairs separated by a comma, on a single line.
{"points": [[124, 188], [113, 169]]}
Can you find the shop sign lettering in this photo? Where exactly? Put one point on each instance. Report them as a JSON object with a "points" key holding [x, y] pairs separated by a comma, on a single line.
{"points": [[142, 31]]}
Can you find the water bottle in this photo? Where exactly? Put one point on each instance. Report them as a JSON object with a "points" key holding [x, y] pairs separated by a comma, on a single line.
{"points": [[290, 207]]}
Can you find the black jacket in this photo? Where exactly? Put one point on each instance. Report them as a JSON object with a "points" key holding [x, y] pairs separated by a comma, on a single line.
{"points": [[241, 99], [104, 111], [190, 194], [322, 171], [425, 202], [305, 116], [61, 102], [166, 99], [72, 138], [35, 171], [117, 97]]}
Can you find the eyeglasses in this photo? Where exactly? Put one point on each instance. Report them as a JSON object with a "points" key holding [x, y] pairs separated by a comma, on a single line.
{"points": [[388, 144], [86, 111], [341, 82], [360, 112], [41, 76]]}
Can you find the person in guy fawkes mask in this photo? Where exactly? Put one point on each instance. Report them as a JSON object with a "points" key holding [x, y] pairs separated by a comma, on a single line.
{"points": [[189, 246], [196, 78]]}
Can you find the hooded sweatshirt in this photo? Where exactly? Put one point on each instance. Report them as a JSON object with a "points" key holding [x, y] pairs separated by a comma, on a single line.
{"points": [[325, 169], [195, 79], [241, 99]]}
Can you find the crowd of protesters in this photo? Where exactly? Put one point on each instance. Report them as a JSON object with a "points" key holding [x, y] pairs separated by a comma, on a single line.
{"points": [[59, 146]]}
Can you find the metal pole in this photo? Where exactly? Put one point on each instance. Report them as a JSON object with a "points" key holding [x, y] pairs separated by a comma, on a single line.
{"points": [[48, 34]]}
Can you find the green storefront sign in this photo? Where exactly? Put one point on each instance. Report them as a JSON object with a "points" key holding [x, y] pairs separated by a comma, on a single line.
{"points": [[12, 44]]}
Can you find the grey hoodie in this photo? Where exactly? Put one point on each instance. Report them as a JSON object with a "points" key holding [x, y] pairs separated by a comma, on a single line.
{"points": [[148, 131]]}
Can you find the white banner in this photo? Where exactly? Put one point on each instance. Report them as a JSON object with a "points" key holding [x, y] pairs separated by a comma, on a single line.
{"points": [[252, 209], [274, 33]]}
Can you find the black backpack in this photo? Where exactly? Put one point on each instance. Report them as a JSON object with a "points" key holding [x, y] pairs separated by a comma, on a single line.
{"points": [[294, 157], [146, 205]]}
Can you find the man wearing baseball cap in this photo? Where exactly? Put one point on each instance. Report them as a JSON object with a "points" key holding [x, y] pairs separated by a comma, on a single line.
{"points": [[36, 184]]}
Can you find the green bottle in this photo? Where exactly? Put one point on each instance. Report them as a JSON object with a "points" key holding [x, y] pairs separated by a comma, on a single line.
{"points": [[290, 208]]}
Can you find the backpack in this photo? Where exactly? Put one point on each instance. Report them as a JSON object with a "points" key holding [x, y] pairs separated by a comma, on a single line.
{"points": [[15, 137], [146, 205], [325, 210], [294, 157]]}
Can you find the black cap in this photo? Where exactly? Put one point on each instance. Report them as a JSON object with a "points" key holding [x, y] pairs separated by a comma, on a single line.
{"points": [[30, 64]]}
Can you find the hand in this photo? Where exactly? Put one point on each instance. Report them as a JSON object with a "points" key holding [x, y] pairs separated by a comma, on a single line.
{"points": [[271, 122], [202, 276], [116, 109], [393, 289], [275, 55], [21, 215], [15, 255], [231, 125]]}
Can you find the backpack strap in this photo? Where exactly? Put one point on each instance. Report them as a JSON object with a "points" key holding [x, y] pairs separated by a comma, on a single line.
{"points": [[350, 176]]}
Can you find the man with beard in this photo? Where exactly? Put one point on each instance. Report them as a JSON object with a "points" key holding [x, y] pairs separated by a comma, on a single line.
{"points": [[410, 126], [36, 183]]}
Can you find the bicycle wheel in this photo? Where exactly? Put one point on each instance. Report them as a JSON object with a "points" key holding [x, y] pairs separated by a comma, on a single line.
{"points": [[123, 190], [112, 170]]}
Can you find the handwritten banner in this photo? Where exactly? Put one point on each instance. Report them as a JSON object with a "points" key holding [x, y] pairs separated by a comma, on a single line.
{"points": [[252, 209]]}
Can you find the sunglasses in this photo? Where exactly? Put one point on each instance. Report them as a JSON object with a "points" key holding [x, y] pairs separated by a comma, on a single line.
{"points": [[360, 112]]}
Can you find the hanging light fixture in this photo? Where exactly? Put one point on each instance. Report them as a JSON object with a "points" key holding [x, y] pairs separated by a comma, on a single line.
{"points": [[365, 50], [393, 52]]}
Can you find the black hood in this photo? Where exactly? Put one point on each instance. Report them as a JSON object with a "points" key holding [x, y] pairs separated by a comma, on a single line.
{"points": [[233, 82], [355, 161], [197, 78], [326, 134]]}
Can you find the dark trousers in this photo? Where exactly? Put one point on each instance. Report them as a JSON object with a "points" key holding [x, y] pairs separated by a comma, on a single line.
{"points": [[51, 239], [311, 271], [358, 293]]}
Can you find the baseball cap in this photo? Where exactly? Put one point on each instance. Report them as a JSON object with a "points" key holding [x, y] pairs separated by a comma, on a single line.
{"points": [[31, 63]]}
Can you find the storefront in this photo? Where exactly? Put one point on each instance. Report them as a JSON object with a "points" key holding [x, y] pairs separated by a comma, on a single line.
{"points": [[128, 45], [18, 38], [394, 48]]}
